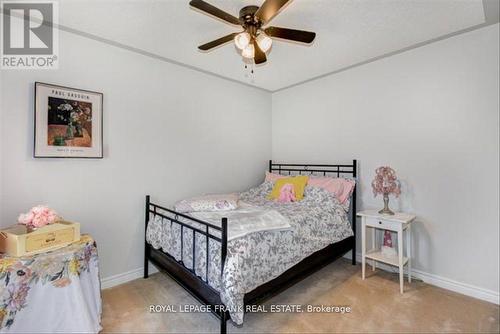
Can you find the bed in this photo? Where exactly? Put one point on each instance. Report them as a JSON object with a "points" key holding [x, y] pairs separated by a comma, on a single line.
{"points": [[222, 271]]}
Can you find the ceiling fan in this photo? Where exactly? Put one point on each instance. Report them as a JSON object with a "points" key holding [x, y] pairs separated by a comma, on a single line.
{"points": [[255, 40]]}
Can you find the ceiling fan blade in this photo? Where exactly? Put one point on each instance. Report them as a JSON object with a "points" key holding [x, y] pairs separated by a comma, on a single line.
{"points": [[269, 9], [259, 56], [215, 43], [214, 11], [291, 34]]}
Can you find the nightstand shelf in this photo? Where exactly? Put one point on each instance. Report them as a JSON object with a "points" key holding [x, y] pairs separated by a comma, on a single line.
{"points": [[378, 256], [399, 223]]}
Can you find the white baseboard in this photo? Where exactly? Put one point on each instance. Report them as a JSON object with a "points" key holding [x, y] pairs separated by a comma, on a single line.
{"points": [[439, 281], [111, 281], [446, 283]]}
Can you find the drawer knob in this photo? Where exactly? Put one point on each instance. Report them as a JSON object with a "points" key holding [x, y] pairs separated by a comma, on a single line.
{"points": [[380, 222]]}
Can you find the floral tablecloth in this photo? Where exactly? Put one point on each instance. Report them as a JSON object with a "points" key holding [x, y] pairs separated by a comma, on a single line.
{"points": [[58, 291]]}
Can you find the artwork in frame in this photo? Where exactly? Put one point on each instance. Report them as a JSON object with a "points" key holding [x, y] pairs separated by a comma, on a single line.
{"points": [[68, 122]]}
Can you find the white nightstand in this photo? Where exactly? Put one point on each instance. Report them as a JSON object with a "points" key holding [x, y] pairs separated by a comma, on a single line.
{"points": [[399, 223]]}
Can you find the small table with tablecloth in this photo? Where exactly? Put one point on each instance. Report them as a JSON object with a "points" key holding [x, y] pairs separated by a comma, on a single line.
{"points": [[57, 291]]}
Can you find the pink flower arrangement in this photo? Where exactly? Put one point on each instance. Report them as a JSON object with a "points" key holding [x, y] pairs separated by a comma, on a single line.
{"points": [[386, 182], [38, 216]]}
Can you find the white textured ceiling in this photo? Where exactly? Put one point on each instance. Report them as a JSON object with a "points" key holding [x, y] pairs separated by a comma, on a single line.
{"points": [[348, 32]]}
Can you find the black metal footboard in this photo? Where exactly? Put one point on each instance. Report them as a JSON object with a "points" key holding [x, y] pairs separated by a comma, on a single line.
{"points": [[187, 277]]}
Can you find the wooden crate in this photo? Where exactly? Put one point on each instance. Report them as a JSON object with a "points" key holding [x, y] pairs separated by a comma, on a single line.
{"points": [[16, 241]]}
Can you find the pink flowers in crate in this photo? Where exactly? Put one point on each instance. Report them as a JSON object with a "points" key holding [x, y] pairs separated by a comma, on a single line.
{"points": [[38, 216], [386, 182]]}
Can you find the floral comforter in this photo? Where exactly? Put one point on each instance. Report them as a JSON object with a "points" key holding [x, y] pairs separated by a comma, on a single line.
{"points": [[317, 221]]}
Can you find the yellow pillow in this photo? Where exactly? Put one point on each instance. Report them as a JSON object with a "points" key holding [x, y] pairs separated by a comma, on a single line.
{"points": [[298, 182]]}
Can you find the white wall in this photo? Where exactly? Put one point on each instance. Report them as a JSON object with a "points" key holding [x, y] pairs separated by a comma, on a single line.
{"points": [[168, 131], [431, 113]]}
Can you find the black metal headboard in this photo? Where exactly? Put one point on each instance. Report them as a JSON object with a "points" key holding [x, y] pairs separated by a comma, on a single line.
{"points": [[300, 169], [326, 170]]}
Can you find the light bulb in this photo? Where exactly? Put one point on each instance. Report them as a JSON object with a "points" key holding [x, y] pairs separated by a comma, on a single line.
{"points": [[264, 42], [249, 51], [242, 40]]}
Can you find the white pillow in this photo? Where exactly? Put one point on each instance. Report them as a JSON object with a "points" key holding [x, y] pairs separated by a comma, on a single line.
{"points": [[222, 202]]}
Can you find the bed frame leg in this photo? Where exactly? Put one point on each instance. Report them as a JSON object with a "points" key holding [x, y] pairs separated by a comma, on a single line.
{"points": [[146, 263], [353, 208], [354, 254], [223, 323], [223, 315], [146, 246]]}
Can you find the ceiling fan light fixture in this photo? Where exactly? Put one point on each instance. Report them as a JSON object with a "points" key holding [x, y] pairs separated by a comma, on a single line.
{"points": [[256, 38], [242, 40], [248, 52], [265, 42]]}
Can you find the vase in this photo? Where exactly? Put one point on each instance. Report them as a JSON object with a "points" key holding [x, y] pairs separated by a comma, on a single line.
{"points": [[70, 132], [59, 141], [386, 210], [78, 130]]}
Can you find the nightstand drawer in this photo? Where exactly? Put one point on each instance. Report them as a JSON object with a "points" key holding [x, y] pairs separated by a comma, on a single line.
{"points": [[383, 224]]}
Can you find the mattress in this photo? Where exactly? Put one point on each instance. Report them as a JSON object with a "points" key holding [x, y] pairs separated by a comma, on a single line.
{"points": [[254, 259]]}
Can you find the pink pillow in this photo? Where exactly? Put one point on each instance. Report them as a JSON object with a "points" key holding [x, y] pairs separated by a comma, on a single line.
{"points": [[273, 177], [341, 188]]}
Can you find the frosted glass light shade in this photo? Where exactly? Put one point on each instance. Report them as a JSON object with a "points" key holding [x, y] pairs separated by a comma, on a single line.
{"points": [[265, 42], [249, 51], [242, 40]]}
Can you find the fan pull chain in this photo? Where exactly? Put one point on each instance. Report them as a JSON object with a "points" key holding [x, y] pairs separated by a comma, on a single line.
{"points": [[249, 69]]}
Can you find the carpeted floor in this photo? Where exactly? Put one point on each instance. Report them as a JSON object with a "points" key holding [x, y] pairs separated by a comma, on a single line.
{"points": [[376, 306]]}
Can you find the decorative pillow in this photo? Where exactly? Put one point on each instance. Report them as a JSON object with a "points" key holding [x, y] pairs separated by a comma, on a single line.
{"points": [[221, 202], [273, 177], [341, 188], [298, 182]]}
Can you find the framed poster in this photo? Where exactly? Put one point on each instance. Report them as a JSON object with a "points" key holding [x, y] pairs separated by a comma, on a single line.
{"points": [[68, 122]]}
